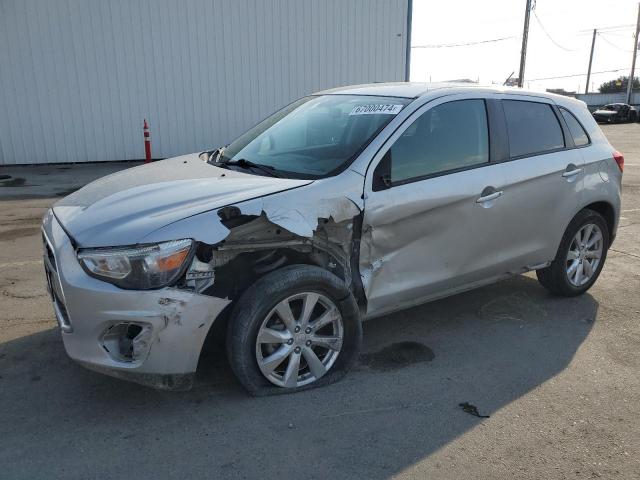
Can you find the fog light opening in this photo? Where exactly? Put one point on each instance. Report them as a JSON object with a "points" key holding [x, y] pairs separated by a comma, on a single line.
{"points": [[127, 342]]}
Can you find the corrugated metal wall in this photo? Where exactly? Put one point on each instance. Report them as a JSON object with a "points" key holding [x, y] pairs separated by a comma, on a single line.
{"points": [[77, 77], [598, 99]]}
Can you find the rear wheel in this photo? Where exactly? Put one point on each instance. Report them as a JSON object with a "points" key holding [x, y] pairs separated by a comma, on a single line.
{"points": [[295, 328], [580, 257]]}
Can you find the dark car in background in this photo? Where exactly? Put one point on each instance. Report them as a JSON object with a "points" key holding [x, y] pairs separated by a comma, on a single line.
{"points": [[616, 113]]}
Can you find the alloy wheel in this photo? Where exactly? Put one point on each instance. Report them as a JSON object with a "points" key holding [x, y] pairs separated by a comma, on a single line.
{"points": [[584, 255], [299, 340]]}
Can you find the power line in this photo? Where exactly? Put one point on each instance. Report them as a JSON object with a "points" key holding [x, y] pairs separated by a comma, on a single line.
{"points": [[617, 34], [612, 27], [451, 45], [618, 27], [550, 37], [576, 75], [613, 44]]}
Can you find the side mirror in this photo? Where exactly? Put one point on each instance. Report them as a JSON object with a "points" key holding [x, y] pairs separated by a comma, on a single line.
{"points": [[382, 174]]}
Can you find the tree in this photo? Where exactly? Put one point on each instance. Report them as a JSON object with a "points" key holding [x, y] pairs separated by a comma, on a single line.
{"points": [[619, 85]]}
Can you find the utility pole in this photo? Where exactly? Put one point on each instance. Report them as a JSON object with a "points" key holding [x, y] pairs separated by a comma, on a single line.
{"points": [[633, 61], [593, 44], [523, 51]]}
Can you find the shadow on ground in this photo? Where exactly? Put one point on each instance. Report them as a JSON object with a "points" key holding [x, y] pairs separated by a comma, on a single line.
{"points": [[487, 347]]}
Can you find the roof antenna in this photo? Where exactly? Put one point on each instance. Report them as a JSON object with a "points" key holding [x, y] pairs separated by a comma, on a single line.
{"points": [[508, 78]]}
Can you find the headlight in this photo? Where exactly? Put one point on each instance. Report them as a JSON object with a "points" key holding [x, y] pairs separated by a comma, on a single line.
{"points": [[140, 268]]}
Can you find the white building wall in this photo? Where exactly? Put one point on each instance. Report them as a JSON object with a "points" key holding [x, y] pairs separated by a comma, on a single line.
{"points": [[77, 77]]}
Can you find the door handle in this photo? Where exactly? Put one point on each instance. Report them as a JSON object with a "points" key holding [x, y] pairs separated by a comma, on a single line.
{"points": [[571, 173], [489, 197]]}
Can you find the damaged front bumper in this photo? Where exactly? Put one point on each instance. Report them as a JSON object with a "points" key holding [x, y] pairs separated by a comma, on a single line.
{"points": [[153, 337]]}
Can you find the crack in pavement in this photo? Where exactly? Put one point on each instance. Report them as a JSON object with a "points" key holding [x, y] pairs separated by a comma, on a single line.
{"points": [[625, 253]]}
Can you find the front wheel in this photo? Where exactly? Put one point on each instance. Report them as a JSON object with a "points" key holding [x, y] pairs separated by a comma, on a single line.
{"points": [[295, 328], [580, 257]]}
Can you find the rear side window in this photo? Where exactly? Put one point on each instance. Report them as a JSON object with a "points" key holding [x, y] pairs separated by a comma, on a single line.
{"points": [[580, 137], [447, 137], [533, 128]]}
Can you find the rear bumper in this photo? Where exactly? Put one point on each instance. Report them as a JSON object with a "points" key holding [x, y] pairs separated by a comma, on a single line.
{"points": [[170, 325]]}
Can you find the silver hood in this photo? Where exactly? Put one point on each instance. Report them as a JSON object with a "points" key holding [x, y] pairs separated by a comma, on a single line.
{"points": [[122, 208]]}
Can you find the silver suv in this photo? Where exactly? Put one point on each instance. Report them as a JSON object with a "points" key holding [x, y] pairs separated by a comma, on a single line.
{"points": [[345, 205]]}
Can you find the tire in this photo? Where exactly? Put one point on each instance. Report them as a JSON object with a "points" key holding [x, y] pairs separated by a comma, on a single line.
{"points": [[257, 307], [556, 277]]}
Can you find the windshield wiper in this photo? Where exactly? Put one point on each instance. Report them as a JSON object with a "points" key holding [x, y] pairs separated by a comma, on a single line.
{"points": [[243, 163]]}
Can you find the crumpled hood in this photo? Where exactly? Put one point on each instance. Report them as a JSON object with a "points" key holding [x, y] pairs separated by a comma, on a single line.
{"points": [[122, 208]]}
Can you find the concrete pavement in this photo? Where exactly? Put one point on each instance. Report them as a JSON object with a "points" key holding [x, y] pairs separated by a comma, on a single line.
{"points": [[558, 377]]}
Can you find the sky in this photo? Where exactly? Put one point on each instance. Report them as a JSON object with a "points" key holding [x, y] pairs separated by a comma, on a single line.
{"points": [[560, 35]]}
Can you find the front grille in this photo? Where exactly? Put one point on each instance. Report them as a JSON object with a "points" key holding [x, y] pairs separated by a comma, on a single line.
{"points": [[49, 253], [62, 309], [53, 285]]}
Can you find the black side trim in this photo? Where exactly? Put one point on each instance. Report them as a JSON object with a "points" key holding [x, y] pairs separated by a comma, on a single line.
{"points": [[382, 174], [568, 138], [498, 135]]}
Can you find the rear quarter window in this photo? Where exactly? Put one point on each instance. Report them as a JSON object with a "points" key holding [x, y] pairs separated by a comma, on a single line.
{"points": [[533, 128], [580, 137]]}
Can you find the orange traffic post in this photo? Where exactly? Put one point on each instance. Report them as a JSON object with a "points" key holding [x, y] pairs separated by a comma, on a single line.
{"points": [[147, 142]]}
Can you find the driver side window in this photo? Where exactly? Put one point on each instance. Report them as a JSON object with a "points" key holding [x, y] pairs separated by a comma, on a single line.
{"points": [[450, 136]]}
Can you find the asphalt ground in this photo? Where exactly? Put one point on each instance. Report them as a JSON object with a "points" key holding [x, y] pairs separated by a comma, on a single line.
{"points": [[558, 378]]}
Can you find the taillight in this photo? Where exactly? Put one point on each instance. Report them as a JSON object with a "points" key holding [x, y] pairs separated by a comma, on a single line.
{"points": [[619, 158]]}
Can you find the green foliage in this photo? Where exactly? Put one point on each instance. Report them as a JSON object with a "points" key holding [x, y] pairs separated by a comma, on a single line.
{"points": [[618, 85]]}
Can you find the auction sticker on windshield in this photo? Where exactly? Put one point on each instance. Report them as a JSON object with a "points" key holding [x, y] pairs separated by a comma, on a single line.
{"points": [[376, 109]]}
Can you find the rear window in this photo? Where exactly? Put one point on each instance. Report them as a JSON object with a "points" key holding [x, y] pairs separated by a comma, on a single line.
{"points": [[533, 128], [580, 137]]}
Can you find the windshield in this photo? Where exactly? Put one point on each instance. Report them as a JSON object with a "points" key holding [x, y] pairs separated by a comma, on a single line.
{"points": [[613, 108], [315, 136]]}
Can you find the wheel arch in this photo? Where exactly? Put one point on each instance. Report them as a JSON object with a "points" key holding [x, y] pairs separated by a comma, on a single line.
{"points": [[604, 208], [254, 303], [244, 276], [607, 210]]}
